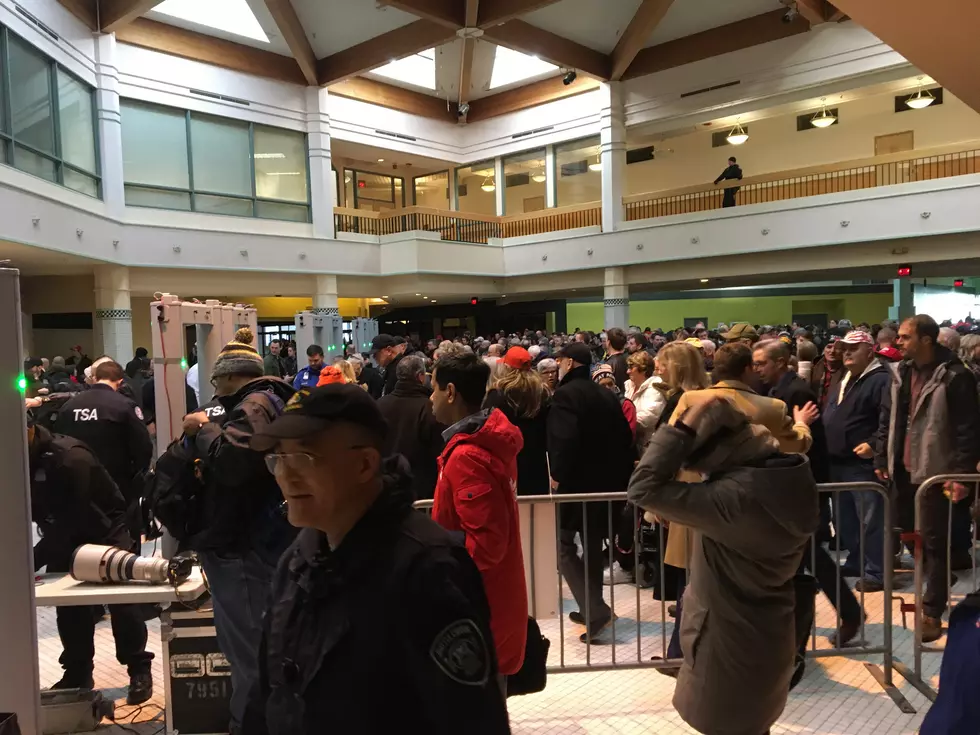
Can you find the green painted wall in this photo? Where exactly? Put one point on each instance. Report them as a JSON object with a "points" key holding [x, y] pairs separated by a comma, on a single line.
{"points": [[866, 307]]}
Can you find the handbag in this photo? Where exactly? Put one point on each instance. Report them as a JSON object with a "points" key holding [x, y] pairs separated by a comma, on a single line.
{"points": [[533, 674]]}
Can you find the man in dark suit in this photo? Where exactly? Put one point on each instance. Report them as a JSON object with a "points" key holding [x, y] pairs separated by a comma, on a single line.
{"points": [[732, 173]]}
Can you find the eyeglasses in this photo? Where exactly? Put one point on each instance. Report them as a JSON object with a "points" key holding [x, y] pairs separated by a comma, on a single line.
{"points": [[296, 461], [214, 382]]}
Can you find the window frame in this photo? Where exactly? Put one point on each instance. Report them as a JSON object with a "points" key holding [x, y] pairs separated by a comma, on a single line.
{"points": [[192, 192], [571, 144], [11, 141], [394, 200], [433, 173]]}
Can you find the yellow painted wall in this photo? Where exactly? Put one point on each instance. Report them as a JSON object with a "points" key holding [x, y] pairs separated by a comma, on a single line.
{"points": [[869, 307], [285, 307]]}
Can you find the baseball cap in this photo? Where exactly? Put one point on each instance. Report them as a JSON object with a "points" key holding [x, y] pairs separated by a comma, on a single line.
{"points": [[845, 324], [398, 341], [578, 351], [315, 409], [517, 358], [740, 331], [381, 341], [695, 342], [890, 353], [857, 337]]}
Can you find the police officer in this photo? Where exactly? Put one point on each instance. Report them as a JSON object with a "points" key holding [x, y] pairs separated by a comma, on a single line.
{"points": [[112, 426], [74, 502], [378, 621]]}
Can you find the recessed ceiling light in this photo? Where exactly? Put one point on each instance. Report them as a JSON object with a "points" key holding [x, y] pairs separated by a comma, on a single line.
{"points": [[381, 160], [704, 280], [418, 294], [503, 296], [432, 301], [384, 297]]}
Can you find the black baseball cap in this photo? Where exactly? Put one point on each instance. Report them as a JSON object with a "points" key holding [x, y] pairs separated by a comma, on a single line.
{"points": [[398, 341], [578, 351], [312, 410], [382, 341]]}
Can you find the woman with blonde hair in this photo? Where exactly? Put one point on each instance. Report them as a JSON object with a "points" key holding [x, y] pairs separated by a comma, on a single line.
{"points": [[680, 367], [641, 390], [520, 393]]}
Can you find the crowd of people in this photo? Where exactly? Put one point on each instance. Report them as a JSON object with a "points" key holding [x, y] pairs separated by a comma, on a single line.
{"points": [[718, 436]]}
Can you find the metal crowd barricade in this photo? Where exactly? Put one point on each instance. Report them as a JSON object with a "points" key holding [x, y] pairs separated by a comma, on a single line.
{"points": [[652, 635], [916, 537]]}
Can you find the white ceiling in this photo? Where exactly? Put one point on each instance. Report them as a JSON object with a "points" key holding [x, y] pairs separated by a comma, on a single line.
{"points": [[597, 24], [334, 25], [687, 17], [32, 261], [365, 157]]}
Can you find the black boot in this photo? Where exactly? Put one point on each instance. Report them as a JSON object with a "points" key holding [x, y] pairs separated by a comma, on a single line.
{"points": [[74, 681], [140, 688]]}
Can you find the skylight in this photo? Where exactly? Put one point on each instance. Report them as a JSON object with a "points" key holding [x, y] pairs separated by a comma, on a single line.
{"points": [[418, 69], [230, 16], [512, 66]]}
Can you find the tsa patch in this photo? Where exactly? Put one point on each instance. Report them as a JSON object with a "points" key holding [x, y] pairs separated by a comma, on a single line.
{"points": [[139, 413], [461, 652], [293, 403]]}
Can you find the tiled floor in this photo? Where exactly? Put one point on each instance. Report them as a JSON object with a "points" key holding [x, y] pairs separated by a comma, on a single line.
{"points": [[837, 696]]}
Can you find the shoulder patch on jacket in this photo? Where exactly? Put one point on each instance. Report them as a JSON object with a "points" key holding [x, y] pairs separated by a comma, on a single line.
{"points": [[461, 652]]}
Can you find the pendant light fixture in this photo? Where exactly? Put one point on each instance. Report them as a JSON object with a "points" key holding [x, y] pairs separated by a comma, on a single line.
{"points": [[539, 177], [597, 164], [737, 136], [921, 99], [488, 184], [825, 118]]}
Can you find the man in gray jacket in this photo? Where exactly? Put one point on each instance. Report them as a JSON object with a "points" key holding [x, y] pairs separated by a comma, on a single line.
{"points": [[752, 519], [933, 428]]}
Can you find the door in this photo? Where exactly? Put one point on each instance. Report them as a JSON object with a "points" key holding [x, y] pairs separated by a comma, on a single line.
{"points": [[811, 320], [692, 322], [894, 143]]}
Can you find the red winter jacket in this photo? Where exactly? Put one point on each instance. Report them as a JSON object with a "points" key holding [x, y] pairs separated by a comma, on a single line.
{"points": [[476, 493]]}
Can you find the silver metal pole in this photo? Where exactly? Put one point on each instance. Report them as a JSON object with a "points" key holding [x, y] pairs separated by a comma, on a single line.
{"points": [[18, 619]]}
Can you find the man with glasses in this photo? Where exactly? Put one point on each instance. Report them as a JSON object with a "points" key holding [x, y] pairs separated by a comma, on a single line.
{"points": [[245, 527], [378, 621]]}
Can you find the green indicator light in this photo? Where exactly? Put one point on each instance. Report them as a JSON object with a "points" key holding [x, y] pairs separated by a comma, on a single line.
{"points": [[22, 384], [183, 363]]}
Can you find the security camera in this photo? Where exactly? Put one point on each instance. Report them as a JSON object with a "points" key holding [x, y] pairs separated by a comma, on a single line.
{"points": [[570, 76], [463, 109], [790, 15]]}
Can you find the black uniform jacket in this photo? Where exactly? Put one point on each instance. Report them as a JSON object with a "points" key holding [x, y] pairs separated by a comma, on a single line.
{"points": [[388, 633], [73, 500], [112, 426]]}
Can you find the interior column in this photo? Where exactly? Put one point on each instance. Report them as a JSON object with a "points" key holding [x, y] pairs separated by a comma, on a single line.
{"points": [[110, 125], [612, 143], [902, 300], [325, 298], [616, 299], [113, 312], [322, 183]]}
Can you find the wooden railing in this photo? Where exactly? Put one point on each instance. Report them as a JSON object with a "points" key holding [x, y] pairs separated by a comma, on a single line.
{"points": [[552, 220], [896, 168], [458, 226]]}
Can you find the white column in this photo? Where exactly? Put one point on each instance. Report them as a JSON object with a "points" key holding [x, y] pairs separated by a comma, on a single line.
{"points": [[616, 299], [113, 312], [551, 177], [903, 305], [110, 125], [321, 174], [498, 178], [612, 141], [453, 193], [325, 296], [18, 616]]}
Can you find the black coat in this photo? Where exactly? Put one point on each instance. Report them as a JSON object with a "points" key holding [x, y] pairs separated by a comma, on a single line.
{"points": [[532, 460], [414, 433], [112, 426], [731, 173], [243, 502], [796, 393], [373, 379], [590, 443], [618, 363], [73, 500], [387, 633]]}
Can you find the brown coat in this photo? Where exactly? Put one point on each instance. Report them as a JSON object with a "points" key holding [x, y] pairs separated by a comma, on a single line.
{"points": [[750, 527], [762, 410]]}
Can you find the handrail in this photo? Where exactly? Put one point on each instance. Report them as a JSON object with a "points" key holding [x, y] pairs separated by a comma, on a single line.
{"points": [[826, 168]]}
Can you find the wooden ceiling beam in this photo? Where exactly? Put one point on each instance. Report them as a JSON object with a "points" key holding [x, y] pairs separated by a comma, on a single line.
{"points": [[378, 51], [291, 29], [176, 41], [634, 38], [495, 12], [447, 13], [818, 11], [114, 14], [471, 13], [528, 39], [538, 93], [85, 10], [392, 97], [724, 39]]}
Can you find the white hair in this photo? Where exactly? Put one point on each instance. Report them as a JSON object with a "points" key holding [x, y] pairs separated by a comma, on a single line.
{"points": [[534, 351]]}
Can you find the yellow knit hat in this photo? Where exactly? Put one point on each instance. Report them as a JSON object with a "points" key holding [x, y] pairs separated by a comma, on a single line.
{"points": [[238, 357]]}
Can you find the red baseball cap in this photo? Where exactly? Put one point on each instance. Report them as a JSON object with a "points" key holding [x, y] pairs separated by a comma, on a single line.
{"points": [[518, 358]]}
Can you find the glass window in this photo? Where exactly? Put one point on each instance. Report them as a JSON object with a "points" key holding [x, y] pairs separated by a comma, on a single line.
{"points": [[76, 122], [525, 185], [280, 164], [137, 196], [220, 155], [275, 210], [375, 192], [30, 96], [432, 191], [32, 163], [154, 145], [222, 205], [475, 187], [579, 172], [81, 182]]}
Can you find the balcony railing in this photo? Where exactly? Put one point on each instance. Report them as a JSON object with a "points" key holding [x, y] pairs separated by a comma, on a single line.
{"points": [[895, 168], [553, 220]]}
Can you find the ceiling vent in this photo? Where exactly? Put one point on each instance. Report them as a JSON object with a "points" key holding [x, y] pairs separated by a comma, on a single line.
{"points": [[532, 132], [395, 135], [223, 98], [33, 20], [710, 89]]}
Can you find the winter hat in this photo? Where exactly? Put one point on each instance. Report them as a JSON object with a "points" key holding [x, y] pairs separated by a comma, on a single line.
{"points": [[601, 371], [238, 357], [330, 374]]}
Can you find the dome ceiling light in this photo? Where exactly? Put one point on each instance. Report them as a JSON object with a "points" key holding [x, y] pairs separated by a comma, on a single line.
{"points": [[737, 136], [825, 118]]}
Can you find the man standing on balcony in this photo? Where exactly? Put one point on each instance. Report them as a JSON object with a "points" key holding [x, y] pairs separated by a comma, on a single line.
{"points": [[733, 173]]}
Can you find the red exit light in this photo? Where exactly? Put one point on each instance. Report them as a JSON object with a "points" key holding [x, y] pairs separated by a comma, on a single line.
{"points": [[904, 271], [361, 184], [958, 283], [474, 301]]}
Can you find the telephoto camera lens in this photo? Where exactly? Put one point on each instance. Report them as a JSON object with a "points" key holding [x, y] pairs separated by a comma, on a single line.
{"points": [[95, 563]]}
